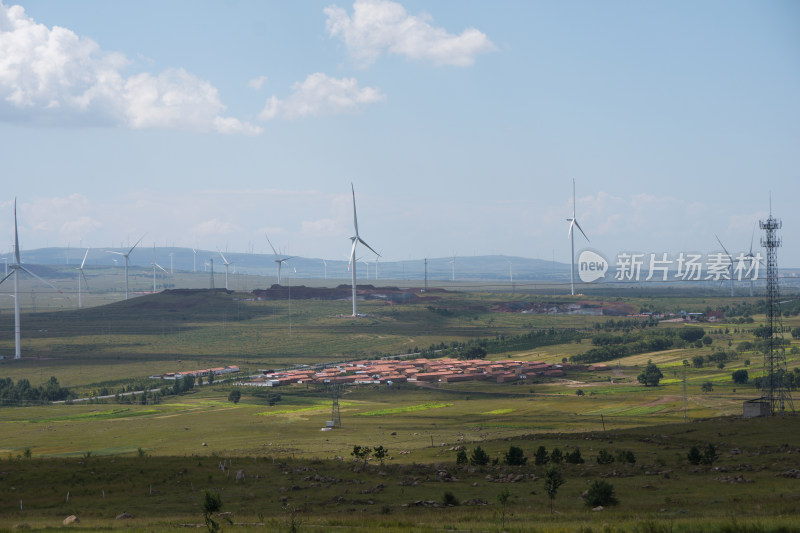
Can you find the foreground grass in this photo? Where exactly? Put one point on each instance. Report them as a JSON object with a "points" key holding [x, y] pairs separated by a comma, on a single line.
{"points": [[743, 491]]}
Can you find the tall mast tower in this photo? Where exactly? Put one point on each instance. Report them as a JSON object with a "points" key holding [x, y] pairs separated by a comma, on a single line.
{"points": [[773, 388]]}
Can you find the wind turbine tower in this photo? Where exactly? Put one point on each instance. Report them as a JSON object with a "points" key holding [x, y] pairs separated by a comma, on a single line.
{"points": [[278, 259], [82, 275], [126, 255], [15, 267], [227, 264], [573, 222], [356, 239]]}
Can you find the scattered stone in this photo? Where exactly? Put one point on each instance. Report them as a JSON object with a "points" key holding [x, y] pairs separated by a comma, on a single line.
{"points": [[793, 474], [204, 444], [71, 519], [22, 526], [124, 516], [734, 479], [598, 508]]}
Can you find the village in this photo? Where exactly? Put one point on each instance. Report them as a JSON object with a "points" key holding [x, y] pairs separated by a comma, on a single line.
{"points": [[389, 372]]}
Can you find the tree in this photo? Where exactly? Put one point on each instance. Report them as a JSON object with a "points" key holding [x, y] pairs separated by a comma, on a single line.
{"points": [[709, 455], [212, 503], [515, 456], [541, 457], [235, 396], [626, 456], [449, 499], [552, 481], [600, 493], [380, 453], [556, 456], [707, 340], [651, 375], [479, 457], [461, 458], [740, 377], [691, 334], [361, 452], [707, 387], [503, 498], [697, 361]]}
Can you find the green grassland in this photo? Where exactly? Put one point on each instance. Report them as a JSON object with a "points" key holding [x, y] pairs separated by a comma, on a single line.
{"points": [[154, 461]]}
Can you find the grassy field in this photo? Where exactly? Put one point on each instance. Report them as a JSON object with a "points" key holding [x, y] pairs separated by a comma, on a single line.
{"points": [[154, 461]]}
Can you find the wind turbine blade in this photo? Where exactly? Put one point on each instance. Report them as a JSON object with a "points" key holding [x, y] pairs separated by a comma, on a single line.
{"points": [[135, 245], [40, 279], [16, 234], [113, 252], [571, 223], [85, 281], [752, 235], [580, 228], [223, 257], [368, 246], [84, 259], [270, 245], [162, 268], [723, 247], [352, 254], [573, 198], [355, 217], [8, 276]]}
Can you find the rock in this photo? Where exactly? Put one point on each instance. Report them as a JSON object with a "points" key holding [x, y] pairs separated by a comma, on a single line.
{"points": [[204, 444], [124, 516], [240, 476], [71, 519], [598, 508]]}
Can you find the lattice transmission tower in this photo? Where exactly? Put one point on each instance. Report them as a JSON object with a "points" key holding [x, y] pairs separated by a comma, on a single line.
{"points": [[773, 386]]}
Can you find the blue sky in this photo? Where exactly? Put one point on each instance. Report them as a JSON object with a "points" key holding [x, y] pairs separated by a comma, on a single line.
{"points": [[460, 123]]}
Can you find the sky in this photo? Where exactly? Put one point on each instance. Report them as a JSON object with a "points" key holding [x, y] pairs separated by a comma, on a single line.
{"points": [[460, 124]]}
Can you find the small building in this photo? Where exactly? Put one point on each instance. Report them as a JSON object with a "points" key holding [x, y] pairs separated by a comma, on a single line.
{"points": [[754, 408]]}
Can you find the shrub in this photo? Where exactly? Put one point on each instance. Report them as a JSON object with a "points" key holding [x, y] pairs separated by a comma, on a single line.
{"points": [[600, 493], [604, 458], [626, 456], [694, 456], [449, 499], [574, 457], [650, 376], [707, 387], [709, 455]]}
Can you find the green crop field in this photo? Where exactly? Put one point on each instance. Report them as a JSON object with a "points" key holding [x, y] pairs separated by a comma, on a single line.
{"points": [[155, 460]]}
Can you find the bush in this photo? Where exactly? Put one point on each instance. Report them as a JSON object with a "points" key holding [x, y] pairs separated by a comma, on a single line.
{"points": [[600, 493], [694, 456], [574, 457], [707, 387], [604, 458], [697, 361], [626, 456], [449, 499], [709, 455]]}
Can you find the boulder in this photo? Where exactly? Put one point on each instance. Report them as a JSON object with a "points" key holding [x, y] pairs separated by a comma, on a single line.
{"points": [[71, 519], [124, 516]]}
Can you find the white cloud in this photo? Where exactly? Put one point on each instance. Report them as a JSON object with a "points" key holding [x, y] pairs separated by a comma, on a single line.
{"points": [[215, 228], [52, 75], [257, 83], [321, 95], [383, 27]]}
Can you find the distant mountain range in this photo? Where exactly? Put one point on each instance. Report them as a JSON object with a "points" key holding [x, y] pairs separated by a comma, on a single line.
{"points": [[467, 268]]}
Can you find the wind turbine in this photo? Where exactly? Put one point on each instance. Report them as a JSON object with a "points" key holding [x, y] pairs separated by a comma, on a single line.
{"points": [[156, 265], [730, 262], [227, 264], [194, 263], [126, 255], [16, 266], [573, 222], [325, 268], [356, 239], [82, 275], [278, 259], [453, 263]]}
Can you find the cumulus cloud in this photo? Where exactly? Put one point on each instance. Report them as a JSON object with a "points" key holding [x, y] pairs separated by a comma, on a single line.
{"points": [[52, 75], [380, 27], [319, 94], [257, 83]]}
